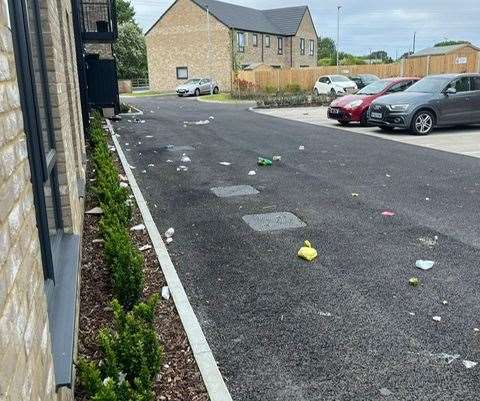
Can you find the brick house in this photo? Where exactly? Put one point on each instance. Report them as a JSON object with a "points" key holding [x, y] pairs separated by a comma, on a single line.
{"points": [[42, 180], [178, 43]]}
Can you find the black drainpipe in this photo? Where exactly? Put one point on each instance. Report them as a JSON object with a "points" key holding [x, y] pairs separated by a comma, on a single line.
{"points": [[291, 51], [263, 39]]}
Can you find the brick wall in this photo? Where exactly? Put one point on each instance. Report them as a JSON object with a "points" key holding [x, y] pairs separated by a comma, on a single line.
{"points": [[26, 363], [306, 31], [180, 39], [103, 49]]}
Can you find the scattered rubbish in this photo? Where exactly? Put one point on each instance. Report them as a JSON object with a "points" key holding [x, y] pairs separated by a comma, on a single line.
{"points": [[139, 227], [445, 302], [385, 392], [252, 172], [149, 136], [92, 179], [414, 282], [129, 202], [476, 330], [169, 233], [411, 313], [212, 118], [182, 168], [169, 161], [446, 357], [301, 147], [145, 248], [144, 171], [169, 240], [205, 122], [98, 241], [325, 314], [469, 364], [95, 210], [437, 319], [127, 144], [123, 178], [264, 162], [424, 264], [429, 241], [225, 163], [427, 199], [139, 143], [388, 214], [170, 146], [185, 159], [132, 167], [307, 252], [165, 293], [355, 195], [277, 158], [388, 175], [151, 165]]}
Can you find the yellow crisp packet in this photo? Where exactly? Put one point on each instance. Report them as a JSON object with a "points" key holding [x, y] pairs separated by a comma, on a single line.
{"points": [[307, 252]]}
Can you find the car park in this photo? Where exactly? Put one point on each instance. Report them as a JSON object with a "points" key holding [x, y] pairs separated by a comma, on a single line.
{"points": [[353, 108], [363, 80], [434, 101], [334, 85], [197, 87]]}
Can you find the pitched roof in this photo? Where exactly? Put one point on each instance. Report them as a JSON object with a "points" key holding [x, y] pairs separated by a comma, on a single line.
{"points": [[279, 21], [441, 50]]}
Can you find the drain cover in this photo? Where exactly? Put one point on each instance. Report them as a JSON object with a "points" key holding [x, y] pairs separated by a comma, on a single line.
{"points": [[236, 190], [273, 221]]}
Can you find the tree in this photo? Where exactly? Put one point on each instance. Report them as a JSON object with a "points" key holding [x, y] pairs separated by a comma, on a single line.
{"points": [[326, 49], [450, 43], [125, 12], [131, 52]]}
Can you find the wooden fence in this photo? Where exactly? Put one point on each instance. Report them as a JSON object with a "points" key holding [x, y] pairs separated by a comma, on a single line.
{"points": [[413, 67]]}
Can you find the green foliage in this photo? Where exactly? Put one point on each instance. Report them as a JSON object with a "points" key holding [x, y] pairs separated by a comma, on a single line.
{"points": [[132, 357], [326, 49], [270, 89], [292, 100], [293, 88], [451, 43], [131, 52], [125, 11]]}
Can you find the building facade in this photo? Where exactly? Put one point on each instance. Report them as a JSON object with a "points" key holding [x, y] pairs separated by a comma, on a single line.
{"points": [[209, 38]]}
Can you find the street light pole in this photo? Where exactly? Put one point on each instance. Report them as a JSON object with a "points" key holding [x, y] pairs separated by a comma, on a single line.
{"points": [[414, 41], [209, 50], [338, 38]]}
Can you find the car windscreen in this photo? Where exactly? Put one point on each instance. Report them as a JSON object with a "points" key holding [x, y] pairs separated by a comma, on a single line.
{"points": [[339, 78], [370, 78], [193, 81], [374, 88], [429, 85]]}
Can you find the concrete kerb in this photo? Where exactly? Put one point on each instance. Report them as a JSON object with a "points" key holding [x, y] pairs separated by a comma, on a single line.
{"points": [[136, 113], [214, 383]]}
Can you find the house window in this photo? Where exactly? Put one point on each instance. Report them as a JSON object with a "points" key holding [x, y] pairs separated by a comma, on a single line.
{"points": [[182, 72], [280, 45], [267, 41], [241, 41], [302, 46], [255, 40], [312, 48]]}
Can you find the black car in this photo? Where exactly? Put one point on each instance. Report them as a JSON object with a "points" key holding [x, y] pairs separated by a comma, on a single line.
{"points": [[363, 80]]}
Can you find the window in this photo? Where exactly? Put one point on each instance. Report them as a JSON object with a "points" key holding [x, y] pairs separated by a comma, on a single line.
{"points": [[255, 40], [182, 72], [461, 84], [400, 87], [302, 46], [476, 84], [267, 41], [241, 41], [312, 48], [280, 45]]}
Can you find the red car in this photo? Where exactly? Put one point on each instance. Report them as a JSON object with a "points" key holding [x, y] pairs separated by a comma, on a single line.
{"points": [[353, 108]]}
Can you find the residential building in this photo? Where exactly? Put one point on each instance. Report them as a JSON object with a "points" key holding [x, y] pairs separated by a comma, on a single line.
{"points": [[209, 38], [42, 180]]}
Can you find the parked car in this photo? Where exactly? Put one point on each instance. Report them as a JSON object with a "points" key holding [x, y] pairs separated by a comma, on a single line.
{"points": [[197, 87], [334, 85], [437, 100], [362, 80], [353, 108]]}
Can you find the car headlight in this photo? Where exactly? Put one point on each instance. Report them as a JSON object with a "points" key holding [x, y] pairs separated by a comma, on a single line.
{"points": [[354, 104], [398, 107]]}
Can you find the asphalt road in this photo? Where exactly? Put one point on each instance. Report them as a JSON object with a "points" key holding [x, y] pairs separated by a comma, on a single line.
{"points": [[264, 311]]}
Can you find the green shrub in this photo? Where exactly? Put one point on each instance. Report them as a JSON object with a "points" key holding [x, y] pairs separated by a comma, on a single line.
{"points": [[270, 89], [293, 88]]}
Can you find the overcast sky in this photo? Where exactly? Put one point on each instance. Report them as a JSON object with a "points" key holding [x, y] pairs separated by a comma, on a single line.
{"points": [[369, 24]]}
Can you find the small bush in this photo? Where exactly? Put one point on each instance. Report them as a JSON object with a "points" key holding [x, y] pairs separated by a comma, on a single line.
{"points": [[295, 100], [293, 88], [270, 89]]}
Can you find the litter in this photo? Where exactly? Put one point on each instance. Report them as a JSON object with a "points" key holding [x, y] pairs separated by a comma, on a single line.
{"points": [[252, 173], [169, 233], [446, 357], [145, 248], [212, 118], [169, 240], [165, 293], [445, 302], [307, 252], [170, 146], [411, 313], [264, 162], [149, 136], [476, 330], [127, 144], [325, 314], [133, 167], [388, 175], [277, 158], [429, 241], [139, 227], [437, 319], [151, 165], [225, 163], [98, 241], [144, 171], [469, 364], [424, 264], [388, 214], [414, 282], [182, 168], [385, 392], [96, 210], [123, 178], [185, 159], [169, 161], [427, 199], [355, 195], [301, 147]]}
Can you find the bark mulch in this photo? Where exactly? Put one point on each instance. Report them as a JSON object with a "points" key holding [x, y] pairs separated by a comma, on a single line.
{"points": [[179, 378]]}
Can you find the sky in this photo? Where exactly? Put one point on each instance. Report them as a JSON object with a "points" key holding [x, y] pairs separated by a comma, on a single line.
{"points": [[368, 24]]}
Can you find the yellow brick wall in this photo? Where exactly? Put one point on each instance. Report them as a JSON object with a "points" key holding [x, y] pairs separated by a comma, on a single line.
{"points": [[180, 39], [306, 31]]}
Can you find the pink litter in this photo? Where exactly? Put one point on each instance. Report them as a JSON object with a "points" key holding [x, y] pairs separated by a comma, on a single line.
{"points": [[388, 214]]}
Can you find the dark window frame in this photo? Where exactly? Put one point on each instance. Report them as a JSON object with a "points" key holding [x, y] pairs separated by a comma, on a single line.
{"points": [[241, 48], [302, 46], [312, 47], [268, 42], [254, 40], [182, 68], [280, 45]]}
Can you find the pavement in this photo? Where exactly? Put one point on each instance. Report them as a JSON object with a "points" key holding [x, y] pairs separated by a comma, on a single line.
{"points": [[461, 140], [347, 326]]}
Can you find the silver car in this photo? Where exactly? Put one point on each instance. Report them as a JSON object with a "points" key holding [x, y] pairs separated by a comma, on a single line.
{"points": [[434, 101], [197, 87]]}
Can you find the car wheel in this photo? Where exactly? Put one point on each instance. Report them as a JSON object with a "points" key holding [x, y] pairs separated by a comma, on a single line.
{"points": [[333, 93], [423, 122], [316, 92], [197, 92], [386, 128], [216, 90]]}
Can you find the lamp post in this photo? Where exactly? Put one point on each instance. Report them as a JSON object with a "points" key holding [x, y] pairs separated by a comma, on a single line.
{"points": [[209, 50], [338, 38]]}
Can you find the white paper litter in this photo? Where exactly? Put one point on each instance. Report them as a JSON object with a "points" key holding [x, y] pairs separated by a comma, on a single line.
{"points": [[204, 122], [123, 177], [469, 364], [145, 248], [437, 318], [151, 165], [95, 210], [252, 172], [429, 241], [225, 163], [149, 136], [139, 227], [185, 159], [446, 357], [424, 264], [169, 240], [301, 147], [165, 293], [169, 161], [212, 118], [325, 314], [182, 168], [277, 158], [98, 241], [169, 233]]}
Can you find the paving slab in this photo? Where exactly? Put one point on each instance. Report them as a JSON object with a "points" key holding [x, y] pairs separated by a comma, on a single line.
{"points": [[234, 190]]}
